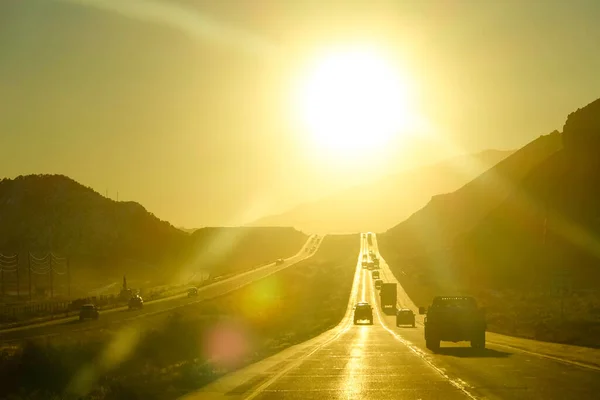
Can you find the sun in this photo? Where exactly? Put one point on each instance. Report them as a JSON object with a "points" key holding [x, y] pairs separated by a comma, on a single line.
{"points": [[353, 100]]}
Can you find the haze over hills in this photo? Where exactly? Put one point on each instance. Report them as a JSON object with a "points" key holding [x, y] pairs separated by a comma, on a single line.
{"points": [[380, 204], [448, 215], [104, 238], [548, 228], [523, 238]]}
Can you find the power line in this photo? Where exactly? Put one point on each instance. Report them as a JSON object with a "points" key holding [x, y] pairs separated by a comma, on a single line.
{"points": [[14, 256], [56, 258], [44, 259]]}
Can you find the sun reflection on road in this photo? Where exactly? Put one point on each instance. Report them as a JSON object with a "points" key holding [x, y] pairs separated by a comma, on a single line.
{"points": [[352, 385]]}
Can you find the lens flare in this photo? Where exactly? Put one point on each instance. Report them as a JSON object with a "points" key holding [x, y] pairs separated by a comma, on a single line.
{"points": [[227, 344]]}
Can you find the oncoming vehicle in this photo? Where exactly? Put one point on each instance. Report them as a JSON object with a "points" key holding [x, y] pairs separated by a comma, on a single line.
{"points": [[363, 312], [279, 261], [192, 292], [405, 316], [88, 311], [136, 302], [454, 319], [378, 283]]}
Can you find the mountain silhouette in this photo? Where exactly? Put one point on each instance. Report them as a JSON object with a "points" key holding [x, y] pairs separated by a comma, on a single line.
{"points": [[377, 205], [546, 232], [104, 238], [446, 216], [523, 238]]}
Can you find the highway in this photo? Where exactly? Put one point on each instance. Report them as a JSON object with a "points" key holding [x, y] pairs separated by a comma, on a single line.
{"points": [[382, 361], [119, 316]]}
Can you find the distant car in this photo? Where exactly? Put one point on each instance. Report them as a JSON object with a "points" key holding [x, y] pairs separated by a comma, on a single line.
{"points": [[364, 263], [363, 312], [371, 265], [375, 274], [279, 261], [376, 262], [192, 292], [378, 283], [405, 316], [136, 302], [88, 311]]}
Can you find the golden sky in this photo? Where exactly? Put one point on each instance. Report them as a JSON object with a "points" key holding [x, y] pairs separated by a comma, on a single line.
{"points": [[187, 106]]}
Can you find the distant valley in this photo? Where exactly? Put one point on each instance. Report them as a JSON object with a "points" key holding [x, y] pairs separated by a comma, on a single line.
{"points": [[382, 203]]}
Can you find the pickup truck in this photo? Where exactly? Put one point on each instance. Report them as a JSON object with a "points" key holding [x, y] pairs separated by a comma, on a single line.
{"points": [[454, 319]]}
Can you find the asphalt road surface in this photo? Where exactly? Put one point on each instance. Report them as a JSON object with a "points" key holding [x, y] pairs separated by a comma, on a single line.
{"points": [[123, 315], [382, 361]]}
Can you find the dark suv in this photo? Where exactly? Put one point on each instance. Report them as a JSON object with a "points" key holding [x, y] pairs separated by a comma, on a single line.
{"points": [[88, 311], [136, 302], [405, 316], [362, 312]]}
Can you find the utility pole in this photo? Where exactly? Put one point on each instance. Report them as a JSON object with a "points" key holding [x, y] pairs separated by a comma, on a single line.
{"points": [[18, 281], [51, 278], [68, 277], [545, 223], [29, 272], [2, 277]]}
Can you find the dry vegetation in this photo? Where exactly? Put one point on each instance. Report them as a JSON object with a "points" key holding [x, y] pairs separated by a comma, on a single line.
{"points": [[524, 240], [177, 353]]}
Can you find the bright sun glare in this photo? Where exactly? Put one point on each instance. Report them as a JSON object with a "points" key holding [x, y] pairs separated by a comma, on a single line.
{"points": [[353, 100]]}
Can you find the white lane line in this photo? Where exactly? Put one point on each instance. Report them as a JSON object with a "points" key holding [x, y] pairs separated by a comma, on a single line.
{"points": [[294, 364], [343, 327], [561, 360], [506, 346], [457, 383]]}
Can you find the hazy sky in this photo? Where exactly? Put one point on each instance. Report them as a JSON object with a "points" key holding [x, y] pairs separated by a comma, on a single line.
{"points": [[184, 106]]}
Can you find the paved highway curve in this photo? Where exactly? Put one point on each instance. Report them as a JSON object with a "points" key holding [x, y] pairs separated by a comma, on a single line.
{"points": [[381, 361], [122, 315]]}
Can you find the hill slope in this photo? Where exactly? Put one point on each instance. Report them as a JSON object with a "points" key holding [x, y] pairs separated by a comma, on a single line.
{"points": [[446, 216], [105, 239], [532, 259], [376, 205], [41, 213], [550, 224]]}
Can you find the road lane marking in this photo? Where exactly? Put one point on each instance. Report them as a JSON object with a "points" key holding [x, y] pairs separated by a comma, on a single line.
{"points": [[507, 346], [457, 383], [343, 327], [558, 359]]}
